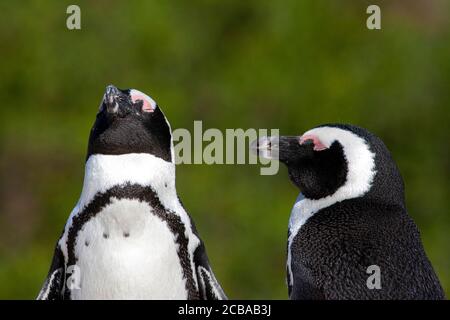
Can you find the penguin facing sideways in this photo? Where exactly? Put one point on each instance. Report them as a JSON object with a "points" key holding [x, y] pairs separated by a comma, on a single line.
{"points": [[350, 220], [129, 236]]}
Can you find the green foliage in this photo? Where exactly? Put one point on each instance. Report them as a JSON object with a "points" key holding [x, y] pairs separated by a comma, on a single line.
{"points": [[234, 64]]}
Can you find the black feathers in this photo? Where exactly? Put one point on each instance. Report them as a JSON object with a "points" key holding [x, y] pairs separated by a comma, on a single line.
{"points": [[143, 194], [333, 249], [321, 175], [130, 130]]}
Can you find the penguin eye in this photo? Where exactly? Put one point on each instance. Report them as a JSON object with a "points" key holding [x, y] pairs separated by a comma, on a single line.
{"points": [[146, 106], [314, 140], [307, 142], [147, 103]]}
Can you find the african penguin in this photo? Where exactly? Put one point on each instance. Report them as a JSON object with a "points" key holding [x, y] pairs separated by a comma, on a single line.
{"points": [[129, 236], [349, 216]]}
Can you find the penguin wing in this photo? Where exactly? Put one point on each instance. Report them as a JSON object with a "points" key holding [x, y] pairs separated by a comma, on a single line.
{"points": [[305, 286], [208, 286], [54, 284]]}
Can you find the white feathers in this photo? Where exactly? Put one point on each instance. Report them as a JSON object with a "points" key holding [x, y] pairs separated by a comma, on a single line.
{"points": [[103, 172], [361, 171], [125, 252]]}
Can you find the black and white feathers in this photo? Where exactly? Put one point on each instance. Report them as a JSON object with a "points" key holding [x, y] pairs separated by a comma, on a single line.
{"points": [[129, 236], [350, 215]]}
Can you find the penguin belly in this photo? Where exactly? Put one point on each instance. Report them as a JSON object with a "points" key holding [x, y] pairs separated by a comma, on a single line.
{"points": [[127, 252]]}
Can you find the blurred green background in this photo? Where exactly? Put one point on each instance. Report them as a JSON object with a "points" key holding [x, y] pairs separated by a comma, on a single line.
{"points": [[235, 64]]}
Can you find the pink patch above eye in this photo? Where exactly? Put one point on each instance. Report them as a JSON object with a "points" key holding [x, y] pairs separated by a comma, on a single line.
{"points": [[146, 105], [318, 145]]}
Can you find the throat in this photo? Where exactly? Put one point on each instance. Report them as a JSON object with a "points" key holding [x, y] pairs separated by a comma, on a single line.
{"points": [[103, 172], [300, 213]]}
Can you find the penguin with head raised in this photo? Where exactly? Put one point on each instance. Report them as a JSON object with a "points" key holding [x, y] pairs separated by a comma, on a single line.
{"points": [[350, 236], [129, 236]]}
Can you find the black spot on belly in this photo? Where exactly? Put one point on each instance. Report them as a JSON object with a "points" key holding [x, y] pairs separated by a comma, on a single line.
{"points": [[126, 234], [105, 235], [143, 194], [86, 243]]}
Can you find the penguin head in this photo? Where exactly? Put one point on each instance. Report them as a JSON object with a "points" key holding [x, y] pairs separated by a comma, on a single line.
{"points": [[129, 121], [337, 162]]}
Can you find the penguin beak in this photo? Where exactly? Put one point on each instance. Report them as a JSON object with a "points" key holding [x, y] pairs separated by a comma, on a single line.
{"points": [[266, 147], [115, 101], [286, 149]]}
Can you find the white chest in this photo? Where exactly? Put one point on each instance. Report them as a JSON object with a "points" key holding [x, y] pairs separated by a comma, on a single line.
{"points": [[126, 252], [303, 209]]}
